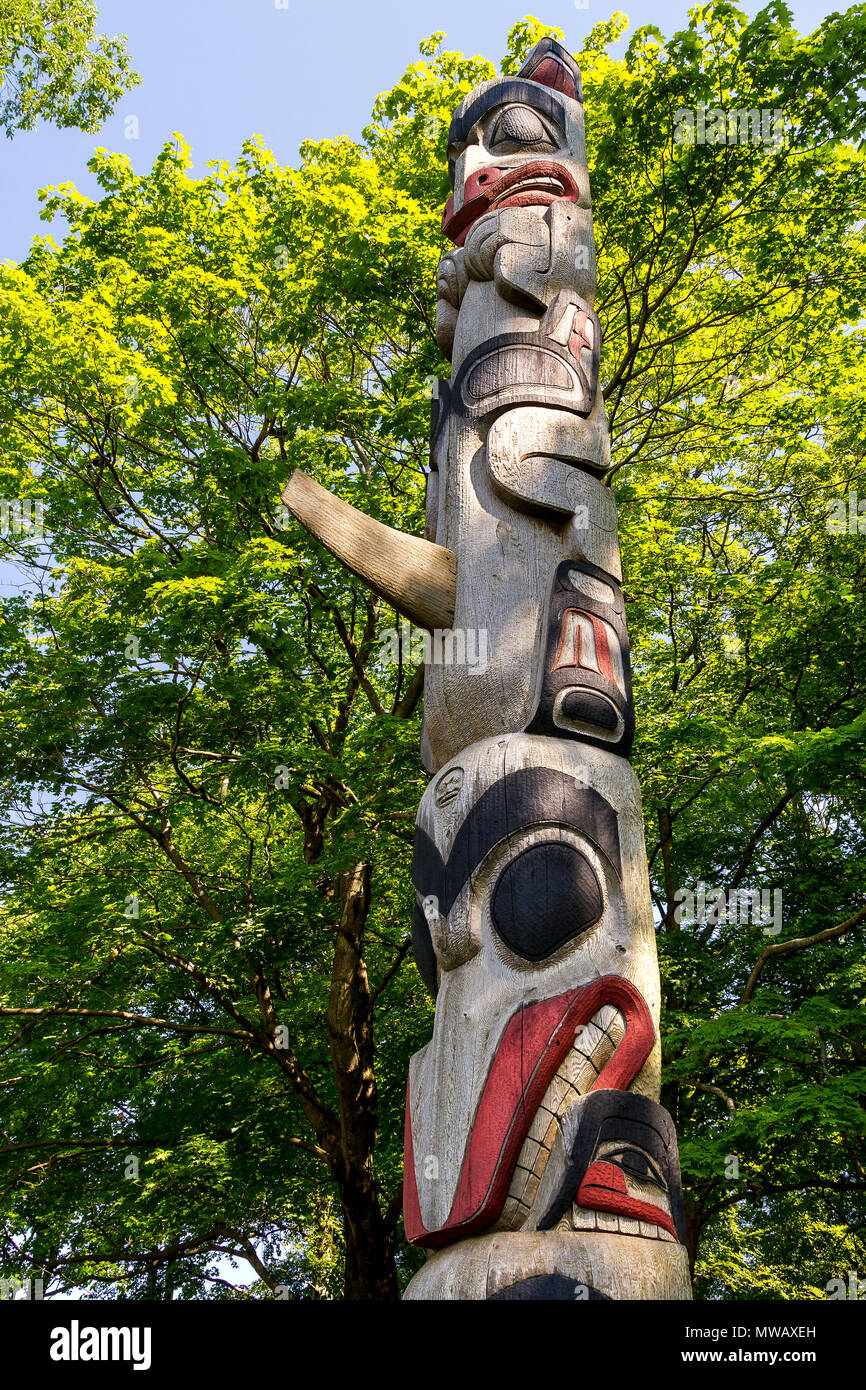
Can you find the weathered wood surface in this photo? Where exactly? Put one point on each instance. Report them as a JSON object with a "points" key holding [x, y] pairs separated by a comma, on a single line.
{"points": [[535, 458], [415, 575], [507, 561], [481, 981], [567, 1265]]}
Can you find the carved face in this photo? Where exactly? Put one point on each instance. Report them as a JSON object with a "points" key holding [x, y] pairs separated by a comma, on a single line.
{"points": [[617, 1156], [585, 678], [545, 980], [517, 142]]}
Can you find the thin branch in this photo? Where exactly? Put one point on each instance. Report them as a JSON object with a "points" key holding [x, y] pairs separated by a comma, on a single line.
{"points": [[798, 943]]}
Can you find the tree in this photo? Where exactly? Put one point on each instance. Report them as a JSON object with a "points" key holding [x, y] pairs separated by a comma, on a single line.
{"points": [[55, 67], [209, 1002]]}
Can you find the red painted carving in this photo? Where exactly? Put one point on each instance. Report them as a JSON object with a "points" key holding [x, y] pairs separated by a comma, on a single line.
{"points": [[604, 1189], [551, 73], [577, 656], [534, 184], [580, 337], [528, 1057]]}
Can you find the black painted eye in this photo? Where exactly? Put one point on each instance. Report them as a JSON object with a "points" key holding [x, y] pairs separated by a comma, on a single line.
{"points": [[636, 1164], [519, 130], [545, 897]]}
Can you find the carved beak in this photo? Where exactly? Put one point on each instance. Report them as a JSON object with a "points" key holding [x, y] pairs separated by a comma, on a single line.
{"points": [[418, 577]]}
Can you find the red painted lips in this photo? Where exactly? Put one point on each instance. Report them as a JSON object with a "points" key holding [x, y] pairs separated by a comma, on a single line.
{"points": [[533, 1045], [604, 1189], [536, 184]]}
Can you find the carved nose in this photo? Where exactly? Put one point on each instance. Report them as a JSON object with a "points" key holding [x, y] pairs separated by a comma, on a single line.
{"points": [[476, 181]]}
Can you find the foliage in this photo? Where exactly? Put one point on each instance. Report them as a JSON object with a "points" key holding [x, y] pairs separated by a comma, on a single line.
{"points": [[55, 67]]}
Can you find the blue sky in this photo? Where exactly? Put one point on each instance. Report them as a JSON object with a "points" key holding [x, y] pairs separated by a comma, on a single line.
{"points": [[222, 71]]}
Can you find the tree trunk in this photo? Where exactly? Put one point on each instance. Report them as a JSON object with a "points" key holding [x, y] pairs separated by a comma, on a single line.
{"points": [[370, 1268], [694, 1223], [370, 1271]]}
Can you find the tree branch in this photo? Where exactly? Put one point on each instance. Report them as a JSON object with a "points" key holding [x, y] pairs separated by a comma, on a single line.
{"points": [[798, 943]]}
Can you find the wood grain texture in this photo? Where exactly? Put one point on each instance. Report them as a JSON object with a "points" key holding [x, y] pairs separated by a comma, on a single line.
{"points": [[614, 1265], [508, 559], [482, 984], [538, 461], [514, 492], [510, 273], [416, 576]]}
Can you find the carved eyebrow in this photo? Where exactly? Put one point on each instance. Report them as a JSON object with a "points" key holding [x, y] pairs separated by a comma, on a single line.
{"points": [[500, 93], [527, 797]]}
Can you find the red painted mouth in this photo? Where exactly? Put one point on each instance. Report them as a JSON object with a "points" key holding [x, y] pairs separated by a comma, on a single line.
{"points": [[532, 1047], [604, 1189], [536, 184]]}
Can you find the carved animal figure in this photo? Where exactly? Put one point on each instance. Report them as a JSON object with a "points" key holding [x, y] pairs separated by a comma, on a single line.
{"points": [[538, 1162]]}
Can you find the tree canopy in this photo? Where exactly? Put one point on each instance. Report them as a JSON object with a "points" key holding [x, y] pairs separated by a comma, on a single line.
{"points": [[208, 997], [55, 67]]}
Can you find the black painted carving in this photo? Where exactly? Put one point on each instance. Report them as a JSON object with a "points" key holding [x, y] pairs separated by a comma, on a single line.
{"points": [[506, 91], [530, 796], [574, 701], [440, 409], [590, 709], [497, 370], [645, 1147], [546, 896], [550, 1288]]}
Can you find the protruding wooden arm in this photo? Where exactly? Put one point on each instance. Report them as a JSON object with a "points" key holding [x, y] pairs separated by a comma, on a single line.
{"points": [[418, 577]]}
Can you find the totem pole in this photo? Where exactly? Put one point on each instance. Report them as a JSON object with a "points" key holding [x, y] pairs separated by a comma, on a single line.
{"points": [[538, 1162]]}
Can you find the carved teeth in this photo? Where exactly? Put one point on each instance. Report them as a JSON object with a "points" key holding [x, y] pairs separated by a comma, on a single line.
{"points": [[594, 1044], [628, 1225], [584, 1220], [543, 183], [606, 1221]]}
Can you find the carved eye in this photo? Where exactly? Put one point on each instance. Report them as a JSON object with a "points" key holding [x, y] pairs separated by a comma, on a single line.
{"points": [[520, 129], [636, 1164]]}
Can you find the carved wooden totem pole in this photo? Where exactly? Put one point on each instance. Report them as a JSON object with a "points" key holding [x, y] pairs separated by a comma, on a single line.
{"points": [[538, 1162]]}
